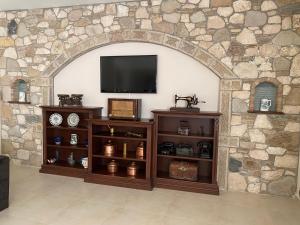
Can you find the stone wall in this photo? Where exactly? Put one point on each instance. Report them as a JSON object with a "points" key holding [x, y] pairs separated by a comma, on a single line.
{"points": [[241, 41]]}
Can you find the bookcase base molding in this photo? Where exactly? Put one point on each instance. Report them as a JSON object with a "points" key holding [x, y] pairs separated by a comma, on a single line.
{"points": [[64, 171]]}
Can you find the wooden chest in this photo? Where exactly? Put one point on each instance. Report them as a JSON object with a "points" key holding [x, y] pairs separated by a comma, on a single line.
{"points": [[183, 170]]}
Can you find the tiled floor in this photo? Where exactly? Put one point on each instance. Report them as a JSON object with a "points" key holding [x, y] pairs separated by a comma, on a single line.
{"points": [[39, 199]]}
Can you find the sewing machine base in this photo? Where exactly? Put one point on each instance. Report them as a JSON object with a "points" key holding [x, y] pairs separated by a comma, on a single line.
{"points": [[184, 109]]}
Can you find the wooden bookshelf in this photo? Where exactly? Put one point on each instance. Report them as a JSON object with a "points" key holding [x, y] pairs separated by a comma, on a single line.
{"points": [[99, 134], [50, 149], [203, 128]]}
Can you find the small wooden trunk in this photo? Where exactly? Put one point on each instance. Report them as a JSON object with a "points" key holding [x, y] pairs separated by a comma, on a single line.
{"points": [[129, 109], [183, 170]]}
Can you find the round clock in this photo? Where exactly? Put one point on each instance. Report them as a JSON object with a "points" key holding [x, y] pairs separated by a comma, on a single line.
{"points": [[55, 119], [73, 120]]}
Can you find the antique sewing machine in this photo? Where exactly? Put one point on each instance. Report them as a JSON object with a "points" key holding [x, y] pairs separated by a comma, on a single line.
{"points": [[190, 100]]}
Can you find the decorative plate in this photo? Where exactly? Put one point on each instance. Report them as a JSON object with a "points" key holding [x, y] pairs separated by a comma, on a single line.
{"points": [[55, 119], [73, 120]]}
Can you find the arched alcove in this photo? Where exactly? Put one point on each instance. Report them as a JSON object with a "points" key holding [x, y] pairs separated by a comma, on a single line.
{"points": [[266, 96], [20, 91], [268, 92], [177, 73]]}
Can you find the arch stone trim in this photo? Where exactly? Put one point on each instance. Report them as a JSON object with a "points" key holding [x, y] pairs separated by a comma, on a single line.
{"points": [[153, 37]]}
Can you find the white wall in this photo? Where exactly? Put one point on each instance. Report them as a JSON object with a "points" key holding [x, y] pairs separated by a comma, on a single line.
{"points": [[177, 73]]}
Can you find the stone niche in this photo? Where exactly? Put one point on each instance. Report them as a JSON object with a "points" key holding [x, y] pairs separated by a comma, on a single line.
{"points": [[20, 91], [268, 92]]}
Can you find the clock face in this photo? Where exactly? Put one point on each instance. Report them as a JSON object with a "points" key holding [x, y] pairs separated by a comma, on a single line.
{"points": [[73, 120], [55, 119]]}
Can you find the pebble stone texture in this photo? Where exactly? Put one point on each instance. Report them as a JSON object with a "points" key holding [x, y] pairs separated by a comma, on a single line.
{"points": [[243, 42]]}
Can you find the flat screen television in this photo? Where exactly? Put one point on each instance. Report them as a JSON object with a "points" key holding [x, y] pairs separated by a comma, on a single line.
{"points": [[128, 74]]}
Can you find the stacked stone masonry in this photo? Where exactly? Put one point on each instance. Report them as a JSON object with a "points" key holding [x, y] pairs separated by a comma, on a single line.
{"points": [[241, 41]]}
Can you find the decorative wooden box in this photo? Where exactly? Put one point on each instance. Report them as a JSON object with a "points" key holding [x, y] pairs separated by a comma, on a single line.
{"points": [[183, 170], [129, 109]]}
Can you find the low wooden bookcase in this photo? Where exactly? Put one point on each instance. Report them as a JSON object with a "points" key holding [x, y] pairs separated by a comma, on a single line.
{"points": [[203, 128], [50, 149], [153, 169], [130, 132]]}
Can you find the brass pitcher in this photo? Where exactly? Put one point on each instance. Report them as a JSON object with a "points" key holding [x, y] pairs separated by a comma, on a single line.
{"points": [[112, 167], [132, 170], [109, 149], [140, 150]]}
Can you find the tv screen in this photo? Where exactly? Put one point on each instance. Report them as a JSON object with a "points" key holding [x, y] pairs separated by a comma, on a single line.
{"points": [[128, 74]]}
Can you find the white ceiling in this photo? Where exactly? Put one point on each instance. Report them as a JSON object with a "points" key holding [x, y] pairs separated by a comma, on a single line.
{"points": [[30, 4]]}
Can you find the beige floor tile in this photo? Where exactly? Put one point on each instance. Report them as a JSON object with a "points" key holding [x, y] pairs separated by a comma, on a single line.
{"points": [[42, 199], [157, 201], [133, 217], [12, 220], [85, 213]]}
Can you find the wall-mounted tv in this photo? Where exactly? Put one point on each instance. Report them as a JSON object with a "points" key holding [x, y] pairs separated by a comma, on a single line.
{"points": [[128, 74]]}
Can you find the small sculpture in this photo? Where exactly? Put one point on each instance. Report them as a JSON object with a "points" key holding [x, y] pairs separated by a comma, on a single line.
{"points": [[190, 100], [63, 99], [76, 99], [73, 100]]}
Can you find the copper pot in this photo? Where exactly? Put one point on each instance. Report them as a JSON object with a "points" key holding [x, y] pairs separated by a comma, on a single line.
{"points": [[112, 167], [109, 149], [132, 170], [140, 150]]}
